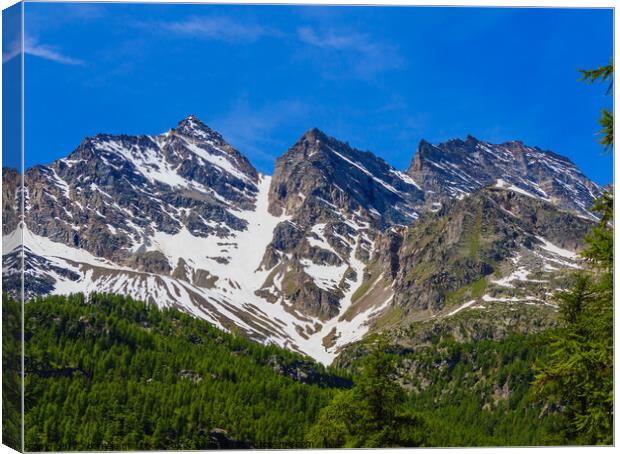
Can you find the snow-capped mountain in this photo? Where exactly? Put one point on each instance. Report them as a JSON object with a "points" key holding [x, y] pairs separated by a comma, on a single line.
{"points": [[336, 198], [336, 175], [458, 167], [113, 193], [336, 243]]}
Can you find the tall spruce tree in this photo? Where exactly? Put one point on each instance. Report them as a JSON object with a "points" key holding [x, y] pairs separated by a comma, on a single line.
{"points": [[373, 413]]}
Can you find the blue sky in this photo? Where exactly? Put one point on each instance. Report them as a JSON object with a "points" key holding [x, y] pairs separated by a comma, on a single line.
{"points": [[379, 78], [11, 87]]}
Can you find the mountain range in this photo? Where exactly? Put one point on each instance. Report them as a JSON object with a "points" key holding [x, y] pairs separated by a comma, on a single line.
{"points": [[337, 244]]}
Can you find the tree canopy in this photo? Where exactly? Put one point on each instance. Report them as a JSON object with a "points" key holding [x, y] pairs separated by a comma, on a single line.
{"points": [[373, 413]]}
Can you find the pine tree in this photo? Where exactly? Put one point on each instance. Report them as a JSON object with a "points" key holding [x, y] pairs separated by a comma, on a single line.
{"points": [[372, 414], [603, 74]]}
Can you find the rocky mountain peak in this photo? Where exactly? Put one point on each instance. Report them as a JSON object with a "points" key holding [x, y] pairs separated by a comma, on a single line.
{"points": [[419, 157], [314, 134], [458, 167], [310, 257], [314, 144], [193, 127], [470, 141], [471, 138], [326, 169]]}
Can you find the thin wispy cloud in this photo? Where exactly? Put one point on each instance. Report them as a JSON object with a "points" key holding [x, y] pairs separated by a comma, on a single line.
{"points": [[360, 54], [218, 28], [366, 56], [62, 15], [11, 34], [52, 53], [11, 50], [332, 40]]}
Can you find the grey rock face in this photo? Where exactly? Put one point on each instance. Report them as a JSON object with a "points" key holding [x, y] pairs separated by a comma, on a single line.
{"points": [[11, 183], [482, 267], [337, 198], [113, 192], [12, 251], [339, 177], [462, 251], [458, 167]]}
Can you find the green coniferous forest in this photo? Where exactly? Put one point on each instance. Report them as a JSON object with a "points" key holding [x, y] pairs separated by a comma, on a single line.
{"points": [[114, 373], [109, 372]]}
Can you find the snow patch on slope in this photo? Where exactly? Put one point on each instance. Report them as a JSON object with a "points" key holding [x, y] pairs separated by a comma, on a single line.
{"points": [[549, 246], [511, 187], [364, 170], [326, 277], [460, 308]]}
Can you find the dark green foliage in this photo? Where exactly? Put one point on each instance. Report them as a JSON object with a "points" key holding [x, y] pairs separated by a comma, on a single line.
{"points": [[579, 375], [603, 74], [478, 393], [113, 373], [373, 413], [600, 242], [607, 122], [11, 373]]}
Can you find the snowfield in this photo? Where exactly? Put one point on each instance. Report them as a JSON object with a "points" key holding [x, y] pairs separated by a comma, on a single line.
{"points": [[232, 298]]}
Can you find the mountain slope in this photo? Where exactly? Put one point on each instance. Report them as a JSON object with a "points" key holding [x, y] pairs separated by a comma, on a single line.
{"points": [[337, 198], [183, 220], [113, 192], [487, 256], [175, 219], [324, 168]]}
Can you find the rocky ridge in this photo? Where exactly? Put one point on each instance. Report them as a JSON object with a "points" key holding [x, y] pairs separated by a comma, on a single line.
{"points": [[318, 255], [489, 254], [459, 167]]}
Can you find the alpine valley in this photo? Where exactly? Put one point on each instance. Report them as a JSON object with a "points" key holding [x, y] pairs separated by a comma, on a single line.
{"points": [[470, 241]]}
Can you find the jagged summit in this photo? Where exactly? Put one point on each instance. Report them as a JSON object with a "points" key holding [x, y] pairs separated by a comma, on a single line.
{"points": [[314, 134], [469, 139], [322, 166], [313, 143], [458, 167], [114, 191], [192, 126]]}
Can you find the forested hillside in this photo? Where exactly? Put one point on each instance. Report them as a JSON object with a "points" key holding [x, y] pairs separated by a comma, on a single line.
{"points": [[108, 372], [481, 392], [114, 373]]}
